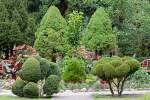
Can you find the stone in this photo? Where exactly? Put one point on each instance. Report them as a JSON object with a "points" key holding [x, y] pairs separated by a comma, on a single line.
{"points": [[68, 91], [76, 90], [91, 90], [83, 90]]}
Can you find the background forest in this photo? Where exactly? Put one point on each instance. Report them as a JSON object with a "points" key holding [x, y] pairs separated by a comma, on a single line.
{"points": [[129, 20]]}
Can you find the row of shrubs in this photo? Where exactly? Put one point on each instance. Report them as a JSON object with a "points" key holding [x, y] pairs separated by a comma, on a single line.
{"points": [[37, 71]]}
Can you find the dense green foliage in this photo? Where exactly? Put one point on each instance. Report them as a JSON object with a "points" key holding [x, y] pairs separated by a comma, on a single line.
{"points": [[40, 74], [99, 34], [47, 67], [75, 26], [44, 66], [116, 70], [54, 69], [17, 88], [74, 70], [20, 19], [51, 85], [140, 79], [31, 70], [31, 90], [50, 36], [131, 18], [15, 24]]}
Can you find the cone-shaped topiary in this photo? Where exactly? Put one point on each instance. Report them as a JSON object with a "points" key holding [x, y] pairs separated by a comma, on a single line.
{"points": [[51, 85], [50, 36], [52, 19], [99, 34], [30, 71], [17, 88], [31, 90], [116, 70]]}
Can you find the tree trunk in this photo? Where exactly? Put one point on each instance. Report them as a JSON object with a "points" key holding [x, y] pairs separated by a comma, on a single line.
{"points": [[122, 87], [7, 53], [111, 89]]}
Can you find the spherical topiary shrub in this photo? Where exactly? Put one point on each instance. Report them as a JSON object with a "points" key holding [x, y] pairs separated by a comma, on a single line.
{"points": [[17, 88], [116, 70], [74, 70], [51, 85], [31, 90], [47, 67], [44, 66], [54, 69], [31, 70]]}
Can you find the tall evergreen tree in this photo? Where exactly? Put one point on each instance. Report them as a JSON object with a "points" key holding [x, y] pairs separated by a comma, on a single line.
{"points": [[99, 35], [50, 36], [13, 24]]}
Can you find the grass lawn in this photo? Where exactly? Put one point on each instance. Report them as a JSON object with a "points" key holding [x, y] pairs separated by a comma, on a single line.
{"points": [[146, 97], [18, 98], [122, 98]]}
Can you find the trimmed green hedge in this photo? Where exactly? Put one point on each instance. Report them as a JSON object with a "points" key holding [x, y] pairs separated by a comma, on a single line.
{"points": [[31, 70], [31, 90], [17, 88], [51, 85]]}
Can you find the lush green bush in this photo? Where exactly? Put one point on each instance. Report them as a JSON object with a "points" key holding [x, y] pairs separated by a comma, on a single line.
{"points": [[31, 90], [54, 69], [47, 67], [139, 79], [17, 88], [115, 68], [51, 85], [75, 26], [44, 66], [31, 70], [74, 70]]}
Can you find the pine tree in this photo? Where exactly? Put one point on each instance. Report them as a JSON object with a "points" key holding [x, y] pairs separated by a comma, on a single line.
{"points": [[50, 36], [14, 21], [9, 30], [99, 34]]}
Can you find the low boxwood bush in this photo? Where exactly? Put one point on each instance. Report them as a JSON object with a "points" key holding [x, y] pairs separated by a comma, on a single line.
{"points": [[54, 69], [17, 88], [51, 85], [31, 90], [47, 67], [74, 70], [31, 70], [37, 70]]}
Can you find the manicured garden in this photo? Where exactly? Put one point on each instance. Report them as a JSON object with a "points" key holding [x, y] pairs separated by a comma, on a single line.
{"points": [[74, 48]]}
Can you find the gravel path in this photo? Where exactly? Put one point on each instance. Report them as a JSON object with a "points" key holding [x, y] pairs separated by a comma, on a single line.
{"points": [[69, 95], [73, 96]]}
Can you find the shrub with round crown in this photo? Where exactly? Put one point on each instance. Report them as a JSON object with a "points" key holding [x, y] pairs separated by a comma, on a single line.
{"points": [[17, 88], [115, 71], [30, 71], [31, 90], [51, 85]]}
